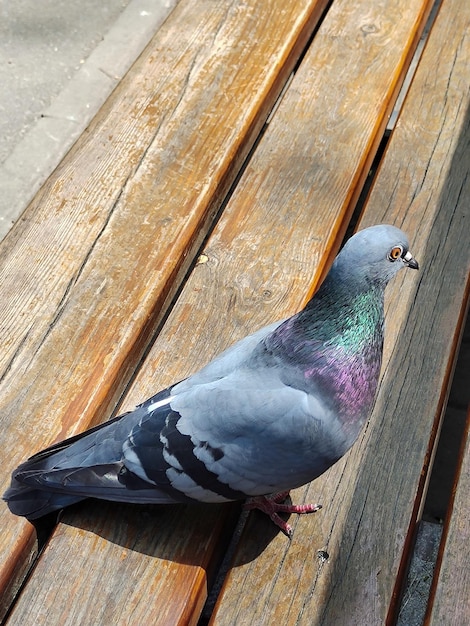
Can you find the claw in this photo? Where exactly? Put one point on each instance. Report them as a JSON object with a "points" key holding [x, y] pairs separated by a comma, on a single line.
{"points": [[274, 504]]}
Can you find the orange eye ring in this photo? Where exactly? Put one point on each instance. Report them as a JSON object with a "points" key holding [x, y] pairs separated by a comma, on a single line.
{"points": [[395, 253]]}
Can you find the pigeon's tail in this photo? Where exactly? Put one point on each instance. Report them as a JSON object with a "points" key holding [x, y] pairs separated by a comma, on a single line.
{"points": [[88, 465], [37, 490], [43, 485], [34, 503], [40, 485]]}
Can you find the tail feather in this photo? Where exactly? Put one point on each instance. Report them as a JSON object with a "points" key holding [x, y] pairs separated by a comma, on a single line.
{"points": [[35, 503], [88, 465], [85, 466], [34, 493]]}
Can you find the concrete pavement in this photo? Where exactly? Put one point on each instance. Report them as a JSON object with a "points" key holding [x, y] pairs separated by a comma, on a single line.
{"points": [[59, 61]]}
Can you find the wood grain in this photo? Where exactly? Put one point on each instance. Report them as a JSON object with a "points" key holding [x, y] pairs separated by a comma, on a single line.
{"points": [[88, 272], [96, 572], [450, 592], [270, 247], [372, 497]]}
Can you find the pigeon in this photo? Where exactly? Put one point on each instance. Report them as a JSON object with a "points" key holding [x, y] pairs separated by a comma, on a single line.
{"points": [[270, 414]]}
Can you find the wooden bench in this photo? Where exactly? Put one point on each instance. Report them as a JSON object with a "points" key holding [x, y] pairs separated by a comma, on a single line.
{"points": [[450, 593], [157, 243]]}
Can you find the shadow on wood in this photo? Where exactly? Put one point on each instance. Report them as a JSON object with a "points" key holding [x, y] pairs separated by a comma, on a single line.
{"points": [[166, 531]]}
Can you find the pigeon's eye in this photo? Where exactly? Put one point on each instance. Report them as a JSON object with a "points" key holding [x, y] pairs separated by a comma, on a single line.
{"points": [[395, 253]]}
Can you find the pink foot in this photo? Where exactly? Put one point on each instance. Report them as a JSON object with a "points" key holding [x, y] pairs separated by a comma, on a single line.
{"points": [[272, 505]]}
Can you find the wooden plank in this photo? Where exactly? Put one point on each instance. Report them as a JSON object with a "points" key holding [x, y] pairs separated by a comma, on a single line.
{"points": [[87, 274], [264, 254], [125, 573], [372, 497], [450, 592]]}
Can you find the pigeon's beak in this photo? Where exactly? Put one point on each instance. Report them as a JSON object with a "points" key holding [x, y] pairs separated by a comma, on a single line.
{"points": [[409, 261]]}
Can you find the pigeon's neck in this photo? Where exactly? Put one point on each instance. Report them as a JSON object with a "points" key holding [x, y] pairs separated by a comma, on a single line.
{"points": [[344, 315], [336, 342]]}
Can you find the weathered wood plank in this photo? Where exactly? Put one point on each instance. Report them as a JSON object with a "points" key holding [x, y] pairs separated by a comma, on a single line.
{"points": [[125, 573], [372, 497], [87, 273], [261, 259], [450, 593]]}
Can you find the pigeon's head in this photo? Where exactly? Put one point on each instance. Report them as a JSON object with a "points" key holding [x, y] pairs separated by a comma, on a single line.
{"points": [[375, 255]]}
